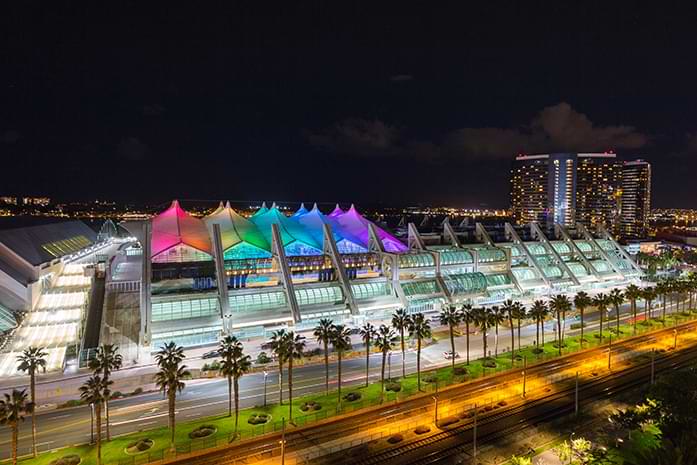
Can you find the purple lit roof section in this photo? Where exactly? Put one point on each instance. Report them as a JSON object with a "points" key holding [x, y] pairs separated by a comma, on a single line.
{"points": [[336, 212], [175, 226], [353, 225]]}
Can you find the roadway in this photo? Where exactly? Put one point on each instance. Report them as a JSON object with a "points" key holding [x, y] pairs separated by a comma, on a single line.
{"points": [[208, 397]]}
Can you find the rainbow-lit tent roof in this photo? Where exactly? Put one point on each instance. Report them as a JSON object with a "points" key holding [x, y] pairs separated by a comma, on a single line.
{"points": [[296, 239], [352, 224], [336, 212], [237, 232], [301, 211], [261, 210], [174, 227]]}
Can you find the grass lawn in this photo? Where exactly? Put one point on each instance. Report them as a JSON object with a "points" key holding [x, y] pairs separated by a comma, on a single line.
{"points": [[113, 451]]}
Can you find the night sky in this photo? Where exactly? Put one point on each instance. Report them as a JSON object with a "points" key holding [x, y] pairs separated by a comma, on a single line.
{"points": [[329, 102]]}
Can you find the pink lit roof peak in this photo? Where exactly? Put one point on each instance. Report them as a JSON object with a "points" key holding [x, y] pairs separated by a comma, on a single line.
{"points": [[175, 226]]}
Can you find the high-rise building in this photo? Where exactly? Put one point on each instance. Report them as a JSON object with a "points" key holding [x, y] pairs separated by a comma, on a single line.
{"points": [[635, 200], [566, 188], [598, 183]]}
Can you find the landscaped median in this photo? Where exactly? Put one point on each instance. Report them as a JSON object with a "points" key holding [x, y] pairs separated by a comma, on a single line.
{"points": [[151, 445]]}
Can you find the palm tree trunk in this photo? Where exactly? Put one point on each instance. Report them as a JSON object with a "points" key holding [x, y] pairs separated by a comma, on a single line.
{"points": [[229, 396], [280, 382], [338, 386], [467, 336], [452, 345], [401, 335], [15, 438], [496, 341], [512, 343], [367, 361], [518, 334], [382, 376], [32, 388], [581, 310], [664, 312], [326, 367], [290, 389], [484, 344], [237, 404], [601, 311], [617, 316], [634, 316], [98, 416], [172, 420], [542, 324], [559, 335], [537, 332], [418, 362], [106, 418]]}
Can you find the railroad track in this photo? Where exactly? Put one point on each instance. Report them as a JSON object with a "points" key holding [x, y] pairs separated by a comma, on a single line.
{"points": [[313, 435], [451, 441]]}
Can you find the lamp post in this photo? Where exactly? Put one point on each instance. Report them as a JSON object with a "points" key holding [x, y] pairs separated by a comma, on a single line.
{"points": [[283, 441], [609, 355], [525, 374], [266, 375], [92, 423]]}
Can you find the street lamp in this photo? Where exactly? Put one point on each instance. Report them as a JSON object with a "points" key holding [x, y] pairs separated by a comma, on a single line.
{"points": [[524, 372], [92, 423], [266, 375], [609, 355]]}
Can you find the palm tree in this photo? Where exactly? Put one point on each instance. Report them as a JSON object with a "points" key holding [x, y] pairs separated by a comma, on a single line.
{"points": [[560, 304], [483, 319], [295, 345], [400, 322], [649, 294], [95, 391], [341, 341], [633, 293], [661, 289], [420, 329], [601, 301], [323, 333], [367, 333], [105, 361], [467, 317], [31, 360], [497, 317], [508, 308], [539, 312], [278, 346], [451, 317], [384, 340], [582, 301], [169, 378], [12, 411], [233, 366], [519, 313], [227, 350], [617, 299]]}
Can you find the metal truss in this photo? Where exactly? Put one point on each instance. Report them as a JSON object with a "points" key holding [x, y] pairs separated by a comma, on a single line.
{"points": [[279, 254], [330, 249], [561, 231], [540, 236]]}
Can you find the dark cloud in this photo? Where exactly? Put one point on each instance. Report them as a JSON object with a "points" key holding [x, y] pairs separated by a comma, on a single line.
{"points": [[357, 136], [401, 78], [10, 136], [154, 109], [131, 148], [554, 128]]}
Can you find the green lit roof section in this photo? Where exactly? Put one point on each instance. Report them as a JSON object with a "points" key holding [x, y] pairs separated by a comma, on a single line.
{"points": [[491, 254], [465, 283], [236, 230], [296, 240], [455, 257], [561, 247], [498, 279], [426, 287], [416, 260]]}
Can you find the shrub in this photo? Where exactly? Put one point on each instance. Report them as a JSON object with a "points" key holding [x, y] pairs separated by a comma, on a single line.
{"points": [[577, 325], [393, 386], [314, 352], [423, 429], [258, 418], [203, 431], [537, 350], [352, 396], [72, 459], [71, 403], [311, 405], [395, 438], [138, 446], [137, 391], [447, 421], [205, 367], [262, 358], [489, 363], [116, 394], [430, 379], [460, 371], [502, 403], [488, 408]]}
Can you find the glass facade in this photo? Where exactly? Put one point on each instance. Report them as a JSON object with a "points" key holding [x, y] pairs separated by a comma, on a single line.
{"points": [[499, 279], [180, 309], [426, 287], [455, 257], [491, 254], [257, 302], [319, 295], [369, 290], [188, 337], [181, 254], [466, 283], [416, 260], [7, 319]]}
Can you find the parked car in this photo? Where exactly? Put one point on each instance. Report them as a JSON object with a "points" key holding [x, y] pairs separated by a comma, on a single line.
{"points": [[355, 331], [266, 346], [449, 355], [211, 354]]}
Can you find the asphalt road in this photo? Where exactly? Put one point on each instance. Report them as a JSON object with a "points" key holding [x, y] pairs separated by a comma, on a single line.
{"points": [[203, 398]]}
